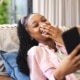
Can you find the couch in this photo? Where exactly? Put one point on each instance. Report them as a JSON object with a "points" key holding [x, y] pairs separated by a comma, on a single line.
{"points": [[8, 41], [8, 37]]}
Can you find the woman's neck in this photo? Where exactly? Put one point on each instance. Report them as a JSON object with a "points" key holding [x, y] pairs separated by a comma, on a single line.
{"points": [[50, 43]]}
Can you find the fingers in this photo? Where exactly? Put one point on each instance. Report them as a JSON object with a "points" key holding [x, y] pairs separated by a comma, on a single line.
{"points": [[77, 59], [75, 51], [47, 33], [49, 29], [77, 66]]}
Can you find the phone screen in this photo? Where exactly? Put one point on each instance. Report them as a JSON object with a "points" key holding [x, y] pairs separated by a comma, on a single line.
{"points": [[71, 39]]}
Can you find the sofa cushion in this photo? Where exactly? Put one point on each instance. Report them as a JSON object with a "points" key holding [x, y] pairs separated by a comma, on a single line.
{"points": [[9, 60], [8, 37]]}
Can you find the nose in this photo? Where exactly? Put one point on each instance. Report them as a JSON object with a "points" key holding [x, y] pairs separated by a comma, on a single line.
{"points": [[43, 24]]}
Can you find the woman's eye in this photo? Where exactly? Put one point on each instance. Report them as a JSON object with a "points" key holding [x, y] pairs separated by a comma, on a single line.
{"points": [[35, 25], [44, 20]]}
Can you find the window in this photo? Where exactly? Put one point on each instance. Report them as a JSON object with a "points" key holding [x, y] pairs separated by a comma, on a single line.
{"points": [[19, 8], [16, 9]]}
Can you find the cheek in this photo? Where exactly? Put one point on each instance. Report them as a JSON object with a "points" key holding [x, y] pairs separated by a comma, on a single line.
{"points": [[35, 31]]}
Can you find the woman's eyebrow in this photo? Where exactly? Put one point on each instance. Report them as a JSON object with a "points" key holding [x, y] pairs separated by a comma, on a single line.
{"points": [[34, 22], [42, 17]]}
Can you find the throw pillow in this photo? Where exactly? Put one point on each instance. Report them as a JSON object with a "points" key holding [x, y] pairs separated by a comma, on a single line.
{"points": [[9, 60]]}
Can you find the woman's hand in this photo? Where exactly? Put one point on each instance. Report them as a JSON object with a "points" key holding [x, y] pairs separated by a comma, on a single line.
{"points": [[53, 33], [70, 64]]}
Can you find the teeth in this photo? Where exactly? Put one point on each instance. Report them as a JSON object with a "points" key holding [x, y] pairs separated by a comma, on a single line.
{"points": [[44, 33]]}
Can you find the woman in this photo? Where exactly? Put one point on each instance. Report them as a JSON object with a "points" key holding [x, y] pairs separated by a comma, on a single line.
{"points": [[40, 54]]}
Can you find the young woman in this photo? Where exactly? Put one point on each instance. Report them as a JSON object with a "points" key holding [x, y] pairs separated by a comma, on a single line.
{"points": [[42, 54]]}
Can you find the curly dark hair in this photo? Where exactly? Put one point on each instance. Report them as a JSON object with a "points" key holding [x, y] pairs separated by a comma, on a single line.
{"points": [[25, 43]]}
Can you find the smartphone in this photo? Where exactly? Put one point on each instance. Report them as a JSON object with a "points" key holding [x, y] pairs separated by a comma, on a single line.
{"points": [[71, 39]]}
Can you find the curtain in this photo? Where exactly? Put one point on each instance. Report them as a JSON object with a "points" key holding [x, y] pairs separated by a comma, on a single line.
{"points": [[59, 12]]}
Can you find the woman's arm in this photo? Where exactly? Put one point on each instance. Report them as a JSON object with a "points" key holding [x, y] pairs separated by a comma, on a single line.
{"points": [[70, 64]]}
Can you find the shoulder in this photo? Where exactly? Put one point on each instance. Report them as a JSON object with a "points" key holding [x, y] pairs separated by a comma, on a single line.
{"points": [[35, 54], [34, 50]]}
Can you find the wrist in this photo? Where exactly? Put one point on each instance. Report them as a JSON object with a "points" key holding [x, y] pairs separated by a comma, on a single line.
{"points": [[58, 78], [58, 75]]}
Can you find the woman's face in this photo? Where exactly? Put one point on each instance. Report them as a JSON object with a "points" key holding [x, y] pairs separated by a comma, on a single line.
{"points": [[34, 24]]}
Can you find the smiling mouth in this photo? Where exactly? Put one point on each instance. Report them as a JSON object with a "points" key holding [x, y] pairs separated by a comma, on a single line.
{"points": [[42, 32]]}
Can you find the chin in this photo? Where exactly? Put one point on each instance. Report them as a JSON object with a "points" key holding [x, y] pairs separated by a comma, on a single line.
{"points": [[47, 39]]}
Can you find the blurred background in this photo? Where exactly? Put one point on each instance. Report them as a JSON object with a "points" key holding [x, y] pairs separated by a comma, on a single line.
{"points": [[12, 10], [58, 12]]}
